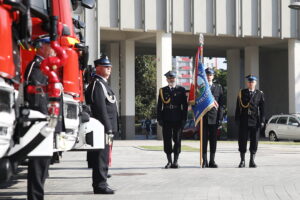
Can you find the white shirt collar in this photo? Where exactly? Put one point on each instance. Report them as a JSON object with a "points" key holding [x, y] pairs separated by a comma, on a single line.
{"points": [[172, 87], [103, 78], [251, 90]]}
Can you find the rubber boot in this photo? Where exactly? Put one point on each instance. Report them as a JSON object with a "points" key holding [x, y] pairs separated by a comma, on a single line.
{"points": [[169, 164], [242, 163], [252, 163], [212, 163], [204, 163], [175, 163]]}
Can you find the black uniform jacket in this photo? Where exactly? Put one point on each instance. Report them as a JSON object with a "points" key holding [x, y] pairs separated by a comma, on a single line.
{"points": [[173, 107], [250, 110], [34, 76], [215, 115], [101, 108]]}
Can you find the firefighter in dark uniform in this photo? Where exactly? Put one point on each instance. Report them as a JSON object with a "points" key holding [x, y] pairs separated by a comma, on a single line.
{"points": [[102, 100], [250, 115], [37, 167], [211, 120], [171, 115]]}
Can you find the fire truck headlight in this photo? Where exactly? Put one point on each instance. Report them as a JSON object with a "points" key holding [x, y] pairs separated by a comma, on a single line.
{"points": [[25, 112]]}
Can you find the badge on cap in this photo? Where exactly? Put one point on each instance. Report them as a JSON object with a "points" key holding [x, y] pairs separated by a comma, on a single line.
{"points": [[103, 61], [251, 78], [38, 42], [170, 74], [209, 71]]}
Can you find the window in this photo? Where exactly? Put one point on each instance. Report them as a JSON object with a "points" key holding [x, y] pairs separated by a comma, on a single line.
{"points": [[187, 125], [70, 110], [273, 121], [192, 123], [293, 121], [5, 101], [282, 120]]}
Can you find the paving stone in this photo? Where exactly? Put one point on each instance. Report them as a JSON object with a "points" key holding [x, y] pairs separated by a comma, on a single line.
{"points": [[139, 174]]}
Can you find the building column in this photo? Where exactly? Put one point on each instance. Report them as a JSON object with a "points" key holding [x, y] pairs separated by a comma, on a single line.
{"points": [[92, 33], [234, 65], [164, 63], [252, 62], [113, 53], [294, 75], [128, 89]]}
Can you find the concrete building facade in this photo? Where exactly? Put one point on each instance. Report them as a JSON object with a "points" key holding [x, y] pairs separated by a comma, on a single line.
{"points": [[255, 36]]}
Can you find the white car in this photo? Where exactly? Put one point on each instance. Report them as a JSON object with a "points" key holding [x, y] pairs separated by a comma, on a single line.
{"points": [[283, 127]]}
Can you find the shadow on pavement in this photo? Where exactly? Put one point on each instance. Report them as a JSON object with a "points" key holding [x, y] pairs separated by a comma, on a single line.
{"points": [[69, 193], [69, 168], [133, 168], [7, 194], [68, 177], [14, 180]]}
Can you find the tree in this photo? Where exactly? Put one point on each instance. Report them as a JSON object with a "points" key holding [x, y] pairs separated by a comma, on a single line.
{"points": [[145, 87], [221, 78]]}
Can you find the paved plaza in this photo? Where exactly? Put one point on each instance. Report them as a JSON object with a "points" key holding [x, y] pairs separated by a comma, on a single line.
{"points": [[139, 174]]}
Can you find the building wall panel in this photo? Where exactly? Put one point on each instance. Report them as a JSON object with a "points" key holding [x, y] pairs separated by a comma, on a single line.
{"points": [[249, 17], [108, 15], [155, 14], [203, 16]]}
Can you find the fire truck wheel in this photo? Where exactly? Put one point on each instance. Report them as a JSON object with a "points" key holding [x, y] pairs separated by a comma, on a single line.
{"points": [[5, 170]]}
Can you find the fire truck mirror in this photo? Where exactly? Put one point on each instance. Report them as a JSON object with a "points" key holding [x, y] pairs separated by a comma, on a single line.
{"points": [[90, 4]]}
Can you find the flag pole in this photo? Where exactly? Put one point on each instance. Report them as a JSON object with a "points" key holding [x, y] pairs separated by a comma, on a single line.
{"points": [[201, 140], [201, 43]]}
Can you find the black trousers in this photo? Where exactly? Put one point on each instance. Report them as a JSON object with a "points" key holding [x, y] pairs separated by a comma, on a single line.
{"points": [[36, 177], [209, 134], [245, 132], [172, 130], [99, 163]]}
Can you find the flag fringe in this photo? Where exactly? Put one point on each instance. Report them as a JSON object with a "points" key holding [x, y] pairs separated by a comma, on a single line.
{"points": [[204, 112]]}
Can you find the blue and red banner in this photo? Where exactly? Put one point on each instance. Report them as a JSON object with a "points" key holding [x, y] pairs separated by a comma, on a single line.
{"points": [[200, 96]]}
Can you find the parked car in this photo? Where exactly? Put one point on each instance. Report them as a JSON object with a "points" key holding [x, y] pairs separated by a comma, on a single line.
{"points": [[191, 132], [283, 127]]}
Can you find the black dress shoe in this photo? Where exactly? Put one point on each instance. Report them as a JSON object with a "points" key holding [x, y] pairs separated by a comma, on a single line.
{"points": [[108, 175], [204, 164], [252, 164], [105, 190], [242, 164], [168, 165], [175, 165], [212, 165]]}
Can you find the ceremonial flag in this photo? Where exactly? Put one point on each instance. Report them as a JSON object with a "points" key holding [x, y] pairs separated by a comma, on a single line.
{"points": [[200, 96]]}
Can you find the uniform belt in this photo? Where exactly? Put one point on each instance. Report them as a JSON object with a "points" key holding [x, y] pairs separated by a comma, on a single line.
{"points": [[171, 106]]}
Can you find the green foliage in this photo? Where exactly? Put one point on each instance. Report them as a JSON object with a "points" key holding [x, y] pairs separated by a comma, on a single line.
{"points": [[221, 78], [145, 87]]}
